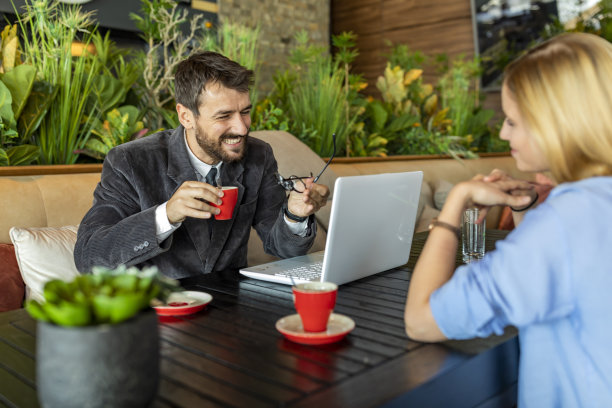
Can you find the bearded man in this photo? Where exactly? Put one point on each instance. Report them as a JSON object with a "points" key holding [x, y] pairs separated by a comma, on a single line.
{"points": [[152, 205]]}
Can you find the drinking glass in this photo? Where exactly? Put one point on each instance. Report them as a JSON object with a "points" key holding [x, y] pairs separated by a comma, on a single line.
{"points": [[472, 236]]}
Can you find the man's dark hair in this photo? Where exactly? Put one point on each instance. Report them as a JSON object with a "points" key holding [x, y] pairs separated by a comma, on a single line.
{"points": [[194, 73]]}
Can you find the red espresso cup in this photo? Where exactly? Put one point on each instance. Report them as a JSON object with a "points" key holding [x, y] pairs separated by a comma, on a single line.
{"points": [[314, 302], [228, 202]]}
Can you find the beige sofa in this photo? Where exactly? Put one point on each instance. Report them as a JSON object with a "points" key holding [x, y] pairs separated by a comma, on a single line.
{"points": [[56, 200]]}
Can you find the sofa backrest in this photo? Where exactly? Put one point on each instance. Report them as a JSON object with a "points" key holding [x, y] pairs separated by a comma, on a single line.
{"points": [[52, 200]]}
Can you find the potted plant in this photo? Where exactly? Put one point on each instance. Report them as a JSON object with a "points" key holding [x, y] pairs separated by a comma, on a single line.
{"points": [[97, 339]]}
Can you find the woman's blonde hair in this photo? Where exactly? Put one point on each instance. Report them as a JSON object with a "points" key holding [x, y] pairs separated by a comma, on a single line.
{"points": [[563, 88]]}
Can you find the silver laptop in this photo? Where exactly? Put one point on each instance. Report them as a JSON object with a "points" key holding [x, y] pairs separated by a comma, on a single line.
{"points": [[370, 230]]}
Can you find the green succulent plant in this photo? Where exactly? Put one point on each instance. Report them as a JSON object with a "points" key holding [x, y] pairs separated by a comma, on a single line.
{"points": [[106, 296]]}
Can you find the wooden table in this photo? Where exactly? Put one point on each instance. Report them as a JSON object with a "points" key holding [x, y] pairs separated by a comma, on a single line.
{"points": [[230, 354]]}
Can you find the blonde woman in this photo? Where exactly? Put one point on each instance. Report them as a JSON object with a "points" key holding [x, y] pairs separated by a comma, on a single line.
{"points": [[552, 276]]}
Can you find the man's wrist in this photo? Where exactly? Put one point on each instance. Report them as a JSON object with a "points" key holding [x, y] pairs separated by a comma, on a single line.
{"points": [[294, 217]]}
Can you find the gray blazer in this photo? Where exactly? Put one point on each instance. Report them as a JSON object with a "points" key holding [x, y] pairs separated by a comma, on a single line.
{"points": [[140, 175]]}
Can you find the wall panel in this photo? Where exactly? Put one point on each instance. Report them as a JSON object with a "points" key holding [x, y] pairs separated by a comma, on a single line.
{"points": [[432, 27]]}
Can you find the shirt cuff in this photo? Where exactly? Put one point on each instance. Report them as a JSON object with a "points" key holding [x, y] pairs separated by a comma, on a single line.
{"points": [[163, 227], [297, 228]]}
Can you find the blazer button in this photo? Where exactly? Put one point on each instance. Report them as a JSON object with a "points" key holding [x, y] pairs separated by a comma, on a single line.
{"points": [[146, 244], [135, 249]]}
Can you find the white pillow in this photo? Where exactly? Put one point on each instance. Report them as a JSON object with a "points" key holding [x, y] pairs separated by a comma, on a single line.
{"points": [[44, 254]]}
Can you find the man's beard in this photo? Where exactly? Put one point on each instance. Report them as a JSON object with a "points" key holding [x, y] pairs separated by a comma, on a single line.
{"points": [[215, 148]]}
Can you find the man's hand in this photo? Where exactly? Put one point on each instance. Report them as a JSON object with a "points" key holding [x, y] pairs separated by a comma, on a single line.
{"points": [[191, 200], [310, 201]]}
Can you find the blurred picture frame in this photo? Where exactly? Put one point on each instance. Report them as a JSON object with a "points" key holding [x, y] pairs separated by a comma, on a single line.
{"points": [[505, 28]]}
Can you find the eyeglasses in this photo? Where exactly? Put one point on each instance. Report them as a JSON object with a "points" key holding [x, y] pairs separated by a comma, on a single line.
{"points": [[295, 183]]}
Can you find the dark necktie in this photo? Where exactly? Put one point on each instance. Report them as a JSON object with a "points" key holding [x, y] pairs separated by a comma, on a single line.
{"points": [[211, 177]]}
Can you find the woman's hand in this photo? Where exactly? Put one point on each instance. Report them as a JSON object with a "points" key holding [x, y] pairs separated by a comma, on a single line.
{"points": [[500, 175], [484, 194], [524, 188]]}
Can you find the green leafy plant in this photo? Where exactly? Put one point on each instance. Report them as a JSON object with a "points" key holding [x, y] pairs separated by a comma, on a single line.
{"points": [[120, 126], [51, 29], [23, 103], [267, 116], [16, 85], [15, 88], [459, 91], [161, 24], [236, 41], [106, 296], [312, 95]]}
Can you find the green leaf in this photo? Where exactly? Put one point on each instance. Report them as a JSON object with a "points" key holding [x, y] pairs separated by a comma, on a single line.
{"points": [[125, 283], [109, 91], [56, 290], [119, 307], [67, 314], [6, 109], [379, 115], [376, 142], [4, 160], [36, 310], [19, 81], [401, 123], [22, 155], [41, 96]]}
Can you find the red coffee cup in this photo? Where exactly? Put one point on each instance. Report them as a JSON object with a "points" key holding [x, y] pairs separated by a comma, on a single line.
{"points": [[314, 302], [228, 202]]}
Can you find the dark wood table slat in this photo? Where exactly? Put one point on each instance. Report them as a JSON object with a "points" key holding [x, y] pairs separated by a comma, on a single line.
{"points": [[15, 361], [254, 382], [15, 391], [176, 394], [261, 364]]}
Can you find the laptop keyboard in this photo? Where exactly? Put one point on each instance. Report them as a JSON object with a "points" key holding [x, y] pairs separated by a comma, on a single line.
{"points": [[308, 272]]}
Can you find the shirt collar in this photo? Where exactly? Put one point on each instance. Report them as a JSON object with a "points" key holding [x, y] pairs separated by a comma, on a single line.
{"points": [[199, 166]]}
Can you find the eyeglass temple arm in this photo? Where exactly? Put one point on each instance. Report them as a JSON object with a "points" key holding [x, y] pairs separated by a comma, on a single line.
{"points": [[329, 161]]}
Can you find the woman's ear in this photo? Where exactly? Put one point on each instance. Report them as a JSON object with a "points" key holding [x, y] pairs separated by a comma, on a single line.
{"points": [[185, 116]]}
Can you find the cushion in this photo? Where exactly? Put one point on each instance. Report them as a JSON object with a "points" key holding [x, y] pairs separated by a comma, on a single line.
{"points": [[44, 254], [426, 210], [12, 287], [441, 190]]}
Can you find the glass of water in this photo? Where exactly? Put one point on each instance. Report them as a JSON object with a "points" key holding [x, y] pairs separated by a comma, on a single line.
{"points": [[472, 236]]}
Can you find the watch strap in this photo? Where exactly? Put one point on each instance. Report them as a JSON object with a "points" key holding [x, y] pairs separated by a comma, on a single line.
{"points": [[294, 217]]}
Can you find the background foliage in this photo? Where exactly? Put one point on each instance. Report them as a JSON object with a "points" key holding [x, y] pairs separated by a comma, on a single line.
{"points": [[56, 108]]}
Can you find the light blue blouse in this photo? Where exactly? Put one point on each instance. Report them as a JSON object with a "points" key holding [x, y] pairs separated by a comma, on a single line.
{"points": [[552, 279]]}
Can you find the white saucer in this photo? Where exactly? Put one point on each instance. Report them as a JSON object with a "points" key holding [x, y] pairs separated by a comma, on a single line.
{"points": [[338, 326]]}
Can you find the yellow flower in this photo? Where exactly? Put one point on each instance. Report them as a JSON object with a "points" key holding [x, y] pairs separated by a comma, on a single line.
{"points": [[208, 25]]}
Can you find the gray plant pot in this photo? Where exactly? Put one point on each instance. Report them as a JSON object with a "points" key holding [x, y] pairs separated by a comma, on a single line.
{"points": [[98, 366]]}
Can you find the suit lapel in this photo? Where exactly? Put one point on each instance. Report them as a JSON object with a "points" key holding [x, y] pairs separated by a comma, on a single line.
{"points": [[231, 175], [181, 170]]}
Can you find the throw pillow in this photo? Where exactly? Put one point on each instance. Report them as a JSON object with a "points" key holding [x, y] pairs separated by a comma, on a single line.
{"points": [[13, 288], [44, 254], [441, 190]]}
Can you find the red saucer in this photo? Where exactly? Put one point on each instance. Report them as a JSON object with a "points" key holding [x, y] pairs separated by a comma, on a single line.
{"points": [[183, 303], [338, 327]]}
